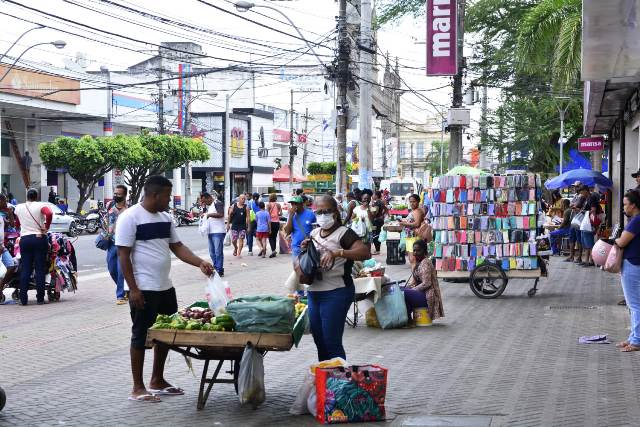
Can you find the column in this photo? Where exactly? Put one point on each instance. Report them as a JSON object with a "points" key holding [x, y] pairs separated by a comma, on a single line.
{"points": [[177, 188], [107, 188]]}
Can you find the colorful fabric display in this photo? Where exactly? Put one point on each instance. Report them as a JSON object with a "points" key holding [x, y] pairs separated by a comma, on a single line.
{"points": [[505, 264], [534, 263]]}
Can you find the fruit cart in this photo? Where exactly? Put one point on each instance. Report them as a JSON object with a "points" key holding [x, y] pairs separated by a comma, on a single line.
{"points": [[221, 347]]}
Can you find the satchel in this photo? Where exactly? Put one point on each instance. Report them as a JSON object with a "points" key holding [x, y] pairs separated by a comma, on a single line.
{"points": [[585, 225], [613, 264], [577, 220]]}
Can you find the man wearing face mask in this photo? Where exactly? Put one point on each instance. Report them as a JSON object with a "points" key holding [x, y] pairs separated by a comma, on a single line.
{"points": [[119, 205]]}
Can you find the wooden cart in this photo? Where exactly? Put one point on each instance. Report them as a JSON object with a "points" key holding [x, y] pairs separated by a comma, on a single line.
{"points": [[489, 280]]}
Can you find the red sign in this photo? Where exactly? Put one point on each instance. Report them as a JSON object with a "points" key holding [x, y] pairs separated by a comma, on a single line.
{"points": [[442, 34], [302, 137], [591, 144], [281, 135]]}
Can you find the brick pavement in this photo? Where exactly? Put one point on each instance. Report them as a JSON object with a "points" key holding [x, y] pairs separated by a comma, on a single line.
{"points": [[515, 359]]}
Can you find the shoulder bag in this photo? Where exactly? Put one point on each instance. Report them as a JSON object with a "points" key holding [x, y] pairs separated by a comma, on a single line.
{"points": [[309, 259]]}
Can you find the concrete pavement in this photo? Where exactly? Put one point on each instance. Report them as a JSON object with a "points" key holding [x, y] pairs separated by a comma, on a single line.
{"points": [[514, 360]]}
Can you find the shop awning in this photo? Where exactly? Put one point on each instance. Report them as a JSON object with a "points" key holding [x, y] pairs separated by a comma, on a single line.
{"points": [[282, 175]]}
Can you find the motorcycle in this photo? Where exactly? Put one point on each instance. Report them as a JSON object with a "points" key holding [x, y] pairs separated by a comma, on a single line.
{"points": [[184, 217], [90, 223]]}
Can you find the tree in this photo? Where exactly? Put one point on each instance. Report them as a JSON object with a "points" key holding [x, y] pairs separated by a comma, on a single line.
{"points": [[85, 159], [432, 160], [156, 154]]}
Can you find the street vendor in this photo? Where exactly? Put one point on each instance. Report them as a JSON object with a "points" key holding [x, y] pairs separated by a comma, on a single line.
{"points": [[146, 237], [412, 223], [331, 295], [422, 288]]}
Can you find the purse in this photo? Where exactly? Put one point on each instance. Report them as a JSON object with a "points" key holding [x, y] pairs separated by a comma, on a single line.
{"points": [[613, 264], [309, 259], [577, 220]]}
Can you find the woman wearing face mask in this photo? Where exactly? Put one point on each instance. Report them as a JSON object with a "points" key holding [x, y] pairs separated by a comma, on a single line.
{"points": [[362, 223], [422, 288], [332, 292]]}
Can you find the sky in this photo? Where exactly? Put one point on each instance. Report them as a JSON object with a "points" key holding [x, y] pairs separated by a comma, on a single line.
{"points": [[140, 35]]}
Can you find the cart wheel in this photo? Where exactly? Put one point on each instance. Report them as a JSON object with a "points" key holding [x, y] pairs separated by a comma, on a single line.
{"points": [[531, 292], [15, 295], [488, 281], [236, 370], [2, 297], [3, 398]]}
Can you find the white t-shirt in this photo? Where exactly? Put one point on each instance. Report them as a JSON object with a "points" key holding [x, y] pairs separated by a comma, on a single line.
{"points": [[149, 235], [216, 225], [31, 218]]}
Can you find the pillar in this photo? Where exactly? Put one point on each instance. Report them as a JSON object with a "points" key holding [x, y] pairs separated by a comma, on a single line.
{"points": [[177, 188]]}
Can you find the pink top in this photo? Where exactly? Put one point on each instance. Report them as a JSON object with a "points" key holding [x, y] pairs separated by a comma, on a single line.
{"points": [[273, 212]]}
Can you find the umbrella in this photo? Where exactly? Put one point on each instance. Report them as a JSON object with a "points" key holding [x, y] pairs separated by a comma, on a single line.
{"points": [[585, 176], [466, 170]]}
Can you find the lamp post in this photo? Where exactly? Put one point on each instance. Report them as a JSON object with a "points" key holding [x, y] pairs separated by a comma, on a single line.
{"points": [[562, 111], [18, 39]]}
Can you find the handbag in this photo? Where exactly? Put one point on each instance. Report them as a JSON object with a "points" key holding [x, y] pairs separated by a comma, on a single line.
{"points": [[613, 264], [577, 220], [585, 224], [309, 259], [102, 243]]}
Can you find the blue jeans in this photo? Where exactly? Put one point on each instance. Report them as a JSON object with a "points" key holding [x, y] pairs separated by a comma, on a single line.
{"points": [[251, 233], [556, 236], [114, 270], [33, 253], [327, 314], [631, 289], [216, 246]]}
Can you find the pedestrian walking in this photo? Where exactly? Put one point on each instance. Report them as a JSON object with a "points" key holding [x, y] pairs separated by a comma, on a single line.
{"points": [[348, 207], [275, 211], [379, 210], [331, 294], [34, 219], [62, 205], [5, 256], [118, 206], [146, 237], [362, 222], [216, 229], [52, 196], [630, 242], [238, 222], [577, 204], [5, 188], [411, 224], [7, 212], [251, 231], [299, 224], [263, 222], [12, 199]]}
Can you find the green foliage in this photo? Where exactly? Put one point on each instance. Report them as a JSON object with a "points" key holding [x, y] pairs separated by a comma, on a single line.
{"points": [[85, 159], [322, 168], [433, 157], [393, 10]]}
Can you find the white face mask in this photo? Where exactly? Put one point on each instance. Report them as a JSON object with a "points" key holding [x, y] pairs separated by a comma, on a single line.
{"points": [[325, 221]]}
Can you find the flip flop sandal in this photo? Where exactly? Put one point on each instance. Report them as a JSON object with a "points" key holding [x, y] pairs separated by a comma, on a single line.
{"points": [[622, 344], [145, 398], [630, 348], [168, 391]]}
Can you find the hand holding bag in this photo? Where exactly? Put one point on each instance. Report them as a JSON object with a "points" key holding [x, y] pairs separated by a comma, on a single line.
{"points": [[613, 264], [577, 220]]}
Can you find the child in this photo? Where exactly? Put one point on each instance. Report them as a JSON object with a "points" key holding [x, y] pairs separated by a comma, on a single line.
{"points": [[263, 220]]}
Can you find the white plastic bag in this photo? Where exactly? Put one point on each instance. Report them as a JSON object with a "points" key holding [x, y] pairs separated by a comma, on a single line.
{"points": [[203, 227], [585, 225], [3, 271], [216, 294], [251, 377], [227, 239], [312, 402], [299, 406]]}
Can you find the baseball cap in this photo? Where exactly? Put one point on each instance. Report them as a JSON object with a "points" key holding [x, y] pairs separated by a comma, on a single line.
{"points": [[296, 199], [256, 195], [577, 184], [635, 175]]}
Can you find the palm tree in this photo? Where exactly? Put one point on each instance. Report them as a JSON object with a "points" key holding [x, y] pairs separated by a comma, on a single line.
{"points": [[552, 29]]}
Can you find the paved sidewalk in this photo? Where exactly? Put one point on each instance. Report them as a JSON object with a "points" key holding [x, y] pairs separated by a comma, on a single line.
{"points": [[515, 359]]}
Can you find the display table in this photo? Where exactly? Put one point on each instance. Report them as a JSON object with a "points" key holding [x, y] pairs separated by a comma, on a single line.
{"points": [[370, 285]]}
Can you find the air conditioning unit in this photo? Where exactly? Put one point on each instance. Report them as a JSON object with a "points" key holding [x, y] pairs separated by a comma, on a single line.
{"points": [[459, 117]]}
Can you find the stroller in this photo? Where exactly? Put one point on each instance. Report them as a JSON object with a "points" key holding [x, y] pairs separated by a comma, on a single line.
{"points": [[62, 267]]}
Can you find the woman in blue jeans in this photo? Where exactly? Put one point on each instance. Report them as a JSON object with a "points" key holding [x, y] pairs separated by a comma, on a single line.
{"points": [[630, 241], [331, 292]]}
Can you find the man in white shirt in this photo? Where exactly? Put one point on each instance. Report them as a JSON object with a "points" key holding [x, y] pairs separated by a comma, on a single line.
{"points": [[146, 237], [216, 229]]}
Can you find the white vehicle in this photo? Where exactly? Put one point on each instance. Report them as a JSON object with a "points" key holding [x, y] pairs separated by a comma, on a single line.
{"points": [[399, 188]]}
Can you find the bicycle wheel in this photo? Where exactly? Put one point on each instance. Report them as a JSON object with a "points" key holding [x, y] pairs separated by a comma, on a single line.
{"points": [[488, 281]]}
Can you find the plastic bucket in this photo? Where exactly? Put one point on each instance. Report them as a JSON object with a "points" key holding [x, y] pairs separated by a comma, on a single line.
{"points": [[421, 316]]}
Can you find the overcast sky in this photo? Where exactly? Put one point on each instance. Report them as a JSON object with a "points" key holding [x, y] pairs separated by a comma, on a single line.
{"points": [[315, 18]]}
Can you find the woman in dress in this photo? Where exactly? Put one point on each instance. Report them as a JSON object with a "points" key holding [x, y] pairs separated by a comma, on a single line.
{"points": [[422, 288], [238, 222], [331, 293], [411, 223], [630, 242]]}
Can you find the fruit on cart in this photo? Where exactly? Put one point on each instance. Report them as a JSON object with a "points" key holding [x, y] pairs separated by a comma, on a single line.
{"points": [[203, 315], [224, 321], [300, 308]]}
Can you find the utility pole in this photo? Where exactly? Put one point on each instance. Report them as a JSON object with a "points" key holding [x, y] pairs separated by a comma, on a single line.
{"points": [[186, 131], [483, 129], [161, 130], [562, 112], [411, 157], [384, 157], [107, 130], [364, 170], [292, 148], [306, 141], [455, 146], [342, 109]]}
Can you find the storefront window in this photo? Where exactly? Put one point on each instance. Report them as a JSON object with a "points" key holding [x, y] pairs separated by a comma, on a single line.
{"points": [[5, 145]]}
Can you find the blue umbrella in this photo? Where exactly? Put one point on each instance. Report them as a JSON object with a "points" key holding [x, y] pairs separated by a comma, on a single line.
{"points": [[585, 176]]}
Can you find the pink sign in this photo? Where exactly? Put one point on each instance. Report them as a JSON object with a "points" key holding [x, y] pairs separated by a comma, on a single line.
{"points": [[591, 144], [442, 51]]}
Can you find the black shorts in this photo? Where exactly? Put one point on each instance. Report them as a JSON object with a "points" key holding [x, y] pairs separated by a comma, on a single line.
{"points": [[155, 302]]}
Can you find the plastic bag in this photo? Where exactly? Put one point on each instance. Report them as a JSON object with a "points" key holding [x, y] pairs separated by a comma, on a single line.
{"points": [[251, 377], [585, 225], [300, 405], [382, 237], [391, 309], [227, 239], [216, 294], [371, 319], [263, 313], [203, 226], [403, 242], [3, 271], [613, 264]]}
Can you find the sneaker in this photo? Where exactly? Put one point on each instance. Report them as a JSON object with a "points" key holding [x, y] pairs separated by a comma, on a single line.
{"points": [[121, 301], [250, 253], [221, 273], [273, 255]]}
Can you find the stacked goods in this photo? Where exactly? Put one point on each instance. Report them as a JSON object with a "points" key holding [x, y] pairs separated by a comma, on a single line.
{"points": [[479, 217], [263, 314]]}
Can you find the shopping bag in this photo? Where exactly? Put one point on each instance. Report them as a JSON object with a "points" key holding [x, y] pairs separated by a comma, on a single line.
{"points": [[215, 294], [203, 227], [227, 239], [403, 242], [391, 309], [3, 271], [359, 227], [382, 237], [585, 225], [351, 394], [251, 377], [577, 220], [305, 401], [614, 260]]}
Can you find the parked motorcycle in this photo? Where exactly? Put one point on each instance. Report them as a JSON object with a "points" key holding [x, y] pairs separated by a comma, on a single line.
{"points": [[184, 217], [90, 223]]}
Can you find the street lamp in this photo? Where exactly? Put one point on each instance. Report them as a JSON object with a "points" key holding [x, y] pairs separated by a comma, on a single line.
{"points": [[18, 39], [562, 112], [245, 6], [59, 44]]}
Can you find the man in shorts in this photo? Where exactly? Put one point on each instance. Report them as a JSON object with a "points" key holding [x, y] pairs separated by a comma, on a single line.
{"points": [[146, 237]]}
